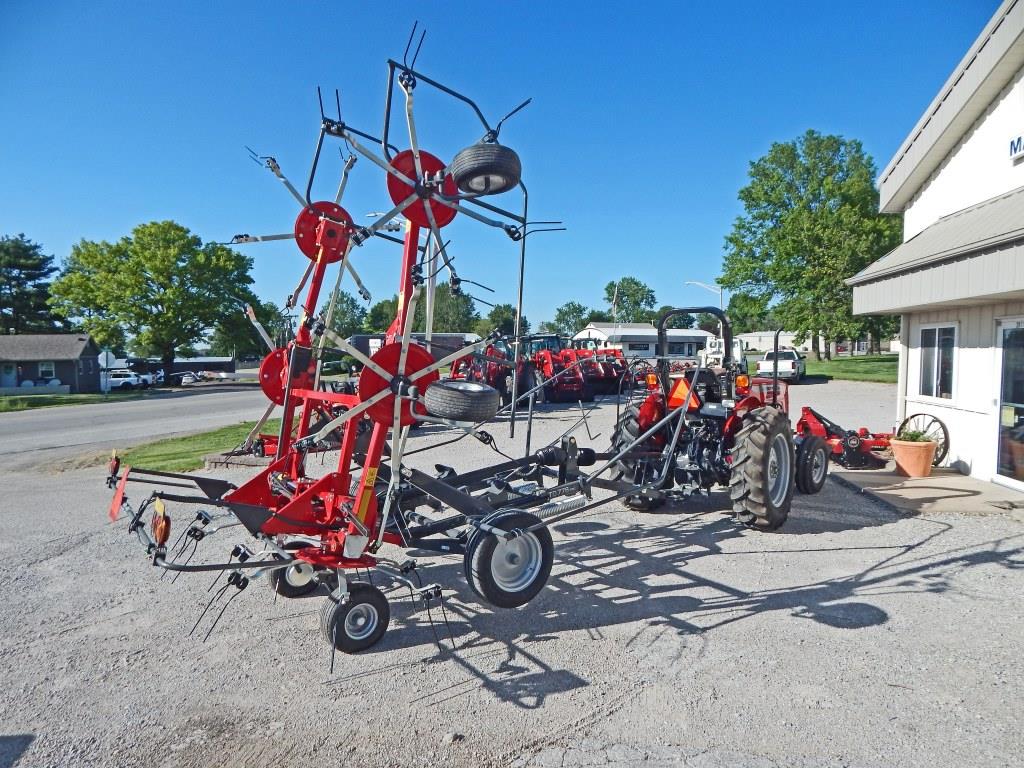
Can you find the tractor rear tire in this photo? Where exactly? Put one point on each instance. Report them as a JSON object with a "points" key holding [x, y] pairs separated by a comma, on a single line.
{"points": [[508, 574], [811, 464], [458, 400], [626, 431], [762, 478], [357, 623], [497, 168]]}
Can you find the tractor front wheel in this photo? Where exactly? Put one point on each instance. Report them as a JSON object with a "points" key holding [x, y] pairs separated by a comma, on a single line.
{"points": [[627, 430], [358, 622], [762, 478]]}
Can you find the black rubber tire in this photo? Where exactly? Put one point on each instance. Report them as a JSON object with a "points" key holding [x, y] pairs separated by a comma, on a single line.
{"points": [[749, 482], [127, 386], [483, 555], [279, 581], [934, 428], [461, 400], [499, 165], [626, 431], [812, 457], [333, 616]]}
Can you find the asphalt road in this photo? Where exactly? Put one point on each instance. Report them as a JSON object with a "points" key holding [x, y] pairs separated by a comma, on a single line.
{"points": [[852, 637], [38, 437]]}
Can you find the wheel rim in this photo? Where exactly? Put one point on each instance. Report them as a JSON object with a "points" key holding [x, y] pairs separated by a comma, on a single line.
{"points": [[361, 621], [778, 471], [932, 428], [465, 386], [516, 563], [298, 575], [818, 464]]}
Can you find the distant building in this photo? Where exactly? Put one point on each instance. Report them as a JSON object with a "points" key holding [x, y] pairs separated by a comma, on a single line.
{"points": [[763, 341], [641, 339], [42, 358]]}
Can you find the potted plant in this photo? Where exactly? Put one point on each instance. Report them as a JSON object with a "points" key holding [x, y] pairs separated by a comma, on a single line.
{"points": [[913, 452]]}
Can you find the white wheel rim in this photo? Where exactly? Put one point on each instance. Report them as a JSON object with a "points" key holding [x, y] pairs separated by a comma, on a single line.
{"points": [[778, 470], [361, 621], [516, 563], [298, 575], [818, 464]]}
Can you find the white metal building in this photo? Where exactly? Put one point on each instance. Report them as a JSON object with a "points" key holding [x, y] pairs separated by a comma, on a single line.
{"points": [[958, 278], [641, 339], [763, 341]]}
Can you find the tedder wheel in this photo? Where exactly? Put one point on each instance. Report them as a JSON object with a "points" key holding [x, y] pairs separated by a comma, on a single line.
{"points": [[486, 169], [933, 429], [761, 483], [508, 574], [626, 431], [357, 623], [295, 580], [811, 464], [461, 400]]}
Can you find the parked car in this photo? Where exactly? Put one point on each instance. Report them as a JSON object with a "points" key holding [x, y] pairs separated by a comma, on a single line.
{"points": [[792, 365], [123, 379]]}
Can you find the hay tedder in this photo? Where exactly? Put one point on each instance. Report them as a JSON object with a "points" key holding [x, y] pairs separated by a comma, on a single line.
{"points": [[677, 436]]}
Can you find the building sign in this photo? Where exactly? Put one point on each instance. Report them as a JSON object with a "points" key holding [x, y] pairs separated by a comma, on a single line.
{"points": [[1017, 148]]}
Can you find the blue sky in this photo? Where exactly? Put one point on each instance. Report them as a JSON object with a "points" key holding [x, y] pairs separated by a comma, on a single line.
{"points": [[643, 122]]}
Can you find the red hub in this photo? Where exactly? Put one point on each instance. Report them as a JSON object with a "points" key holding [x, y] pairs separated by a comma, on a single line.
{"points": [[405, 164], [370, 383], [335, 235]]}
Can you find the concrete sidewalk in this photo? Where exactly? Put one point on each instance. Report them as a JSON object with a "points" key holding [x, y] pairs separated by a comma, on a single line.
{"points": [[945, 491]]}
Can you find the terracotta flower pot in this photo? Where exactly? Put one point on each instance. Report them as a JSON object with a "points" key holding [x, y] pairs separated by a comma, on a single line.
{"points": [[913, 459]]}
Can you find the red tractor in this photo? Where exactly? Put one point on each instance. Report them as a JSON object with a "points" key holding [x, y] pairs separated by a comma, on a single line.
{"points": [[734, 433]]}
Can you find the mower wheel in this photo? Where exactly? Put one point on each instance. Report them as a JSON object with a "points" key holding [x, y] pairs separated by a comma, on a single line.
{"points": [[509, 573], [358, 622], [761, 482], [811, 464], [295, 580], [461, 400], [486, 169]]}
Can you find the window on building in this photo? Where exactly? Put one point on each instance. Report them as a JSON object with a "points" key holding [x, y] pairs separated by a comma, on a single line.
{"points": [[937, 346], [638, 347], [677, 348], [47, 370]]}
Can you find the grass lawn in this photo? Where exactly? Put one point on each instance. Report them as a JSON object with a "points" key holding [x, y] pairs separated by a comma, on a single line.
{"points": [[881, 368], [11, 403], [182, 454]]}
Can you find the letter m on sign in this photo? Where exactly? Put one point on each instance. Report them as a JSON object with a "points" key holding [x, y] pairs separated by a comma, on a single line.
{"points": [[1016, 146]]}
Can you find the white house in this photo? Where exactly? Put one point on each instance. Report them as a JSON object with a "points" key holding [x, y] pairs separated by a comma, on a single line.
{"points": [[641, 339], [765, 340], [958, 278]]}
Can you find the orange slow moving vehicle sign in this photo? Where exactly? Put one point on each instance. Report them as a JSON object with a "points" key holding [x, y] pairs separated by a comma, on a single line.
{"points": [[678, 396]]}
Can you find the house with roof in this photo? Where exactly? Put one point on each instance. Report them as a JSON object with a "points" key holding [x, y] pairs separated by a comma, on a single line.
{"points": [[641, 339], [41, 359], [957, 281]]}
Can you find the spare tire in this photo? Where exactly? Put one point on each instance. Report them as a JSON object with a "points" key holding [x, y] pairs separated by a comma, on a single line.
{"points": [[486, 169], [460, 400]]}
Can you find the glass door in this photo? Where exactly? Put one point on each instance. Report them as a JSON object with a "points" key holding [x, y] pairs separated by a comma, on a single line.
{"points": [[1010, 340]]}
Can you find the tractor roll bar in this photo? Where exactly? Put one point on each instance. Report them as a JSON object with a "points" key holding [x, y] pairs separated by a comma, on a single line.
{"points": [[663, 336]]}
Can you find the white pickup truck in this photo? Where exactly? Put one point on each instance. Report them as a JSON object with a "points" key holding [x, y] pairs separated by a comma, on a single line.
{"points": [[792, 365]]}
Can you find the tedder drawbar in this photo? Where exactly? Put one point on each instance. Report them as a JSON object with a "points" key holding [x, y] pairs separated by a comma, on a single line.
{"points": [[678, 435]]}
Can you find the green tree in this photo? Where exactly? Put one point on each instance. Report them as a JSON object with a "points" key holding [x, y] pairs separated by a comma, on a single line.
{"points": [[810, 221], [24, 287], [349, 316], [502, 318], [380, 316], [749, 313], [679, 321], [707, 322], [629, 300], [235, 335], [571, 317], [161, 284], [597, 316]]}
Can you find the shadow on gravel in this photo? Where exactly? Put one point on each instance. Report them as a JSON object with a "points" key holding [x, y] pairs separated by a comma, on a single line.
{"points": [[612, 576], [12, 748]]}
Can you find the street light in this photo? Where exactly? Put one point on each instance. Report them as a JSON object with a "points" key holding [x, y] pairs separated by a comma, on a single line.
{"points": [[713, 288]]}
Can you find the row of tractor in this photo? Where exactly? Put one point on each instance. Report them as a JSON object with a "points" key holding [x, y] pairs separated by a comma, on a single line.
{"points": [[570, 370]]}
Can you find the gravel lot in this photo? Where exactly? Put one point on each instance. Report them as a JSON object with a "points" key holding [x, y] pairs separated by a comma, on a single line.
{"points": [[851, 637]]}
